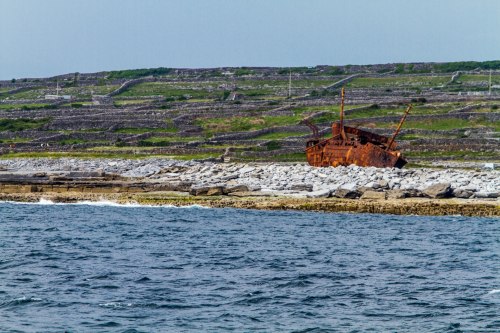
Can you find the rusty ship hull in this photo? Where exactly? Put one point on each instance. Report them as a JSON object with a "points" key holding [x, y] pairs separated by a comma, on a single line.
{"points": [[363, 149], [351, 145]]}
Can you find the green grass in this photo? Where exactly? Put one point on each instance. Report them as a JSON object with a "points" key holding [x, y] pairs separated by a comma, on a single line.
{"points": [[201, 91], [240, 124], [15, 140], [78, 92], [456, 154], [167, 90], [79, 104], [21, 124], [125, 102], [466, 66], [160, 141], [424, 109], [283, 84], [136, 73], [71, 141], [29, 106], [314, 109], [398, 82], [443, 124], [33, 93], [495, 79]]}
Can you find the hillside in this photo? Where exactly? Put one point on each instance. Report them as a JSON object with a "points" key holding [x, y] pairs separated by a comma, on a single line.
{"points": [[252, 114]]}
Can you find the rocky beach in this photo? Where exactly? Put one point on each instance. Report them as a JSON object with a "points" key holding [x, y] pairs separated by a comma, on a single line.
{"points": [[253, 185]]}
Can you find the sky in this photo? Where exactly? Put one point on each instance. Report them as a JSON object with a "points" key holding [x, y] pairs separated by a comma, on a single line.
{"points": [[40, 38]]}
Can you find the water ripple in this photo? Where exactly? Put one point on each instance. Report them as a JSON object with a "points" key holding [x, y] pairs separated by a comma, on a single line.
{"points": [[134, 269]]}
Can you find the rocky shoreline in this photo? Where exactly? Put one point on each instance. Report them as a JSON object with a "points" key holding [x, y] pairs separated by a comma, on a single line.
{"points": [[253, 185]]}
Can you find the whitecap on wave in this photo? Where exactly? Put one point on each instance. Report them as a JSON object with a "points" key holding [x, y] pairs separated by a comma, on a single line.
{"points": [[494, 291], [115, 305], [103, 203]]}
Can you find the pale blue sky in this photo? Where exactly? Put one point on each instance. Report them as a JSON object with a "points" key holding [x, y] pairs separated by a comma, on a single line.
{"points": [[48, 37]]}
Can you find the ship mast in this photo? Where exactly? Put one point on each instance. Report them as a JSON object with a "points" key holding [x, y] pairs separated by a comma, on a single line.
{"points": [[342, 132], [399, 127]]}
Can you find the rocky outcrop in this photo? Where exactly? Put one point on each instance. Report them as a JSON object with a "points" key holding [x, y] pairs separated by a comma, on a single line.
{"points": [[438, 191], [293, 180]]}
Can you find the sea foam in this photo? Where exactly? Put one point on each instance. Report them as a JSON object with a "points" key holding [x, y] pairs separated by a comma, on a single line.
{"points": [[103, 203]]}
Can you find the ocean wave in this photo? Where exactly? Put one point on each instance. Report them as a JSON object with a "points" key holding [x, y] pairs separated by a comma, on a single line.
{"points": [[115, 305], [19, 301], [102, 203], [494, 291]]}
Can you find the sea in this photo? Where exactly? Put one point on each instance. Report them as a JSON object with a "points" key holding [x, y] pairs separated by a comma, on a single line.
{"points": [[103, 267]]}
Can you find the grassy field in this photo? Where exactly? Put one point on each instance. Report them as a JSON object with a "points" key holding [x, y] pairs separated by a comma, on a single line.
{"points": [[444, 124], [398, 82], [213, 126], [21, 124], [197, 102], [29, 106], [160, 141], [168, 90], [495, 79], [78, 92]]}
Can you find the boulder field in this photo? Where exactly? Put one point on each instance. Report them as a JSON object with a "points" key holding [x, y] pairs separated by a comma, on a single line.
{"points": [[298, 180]]}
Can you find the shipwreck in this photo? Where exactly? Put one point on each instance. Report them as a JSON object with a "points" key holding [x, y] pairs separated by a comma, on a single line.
{"points": [[351, 145]]}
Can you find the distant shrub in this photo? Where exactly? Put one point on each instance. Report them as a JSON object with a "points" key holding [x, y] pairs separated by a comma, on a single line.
{"points": [[70, 142], [383, 70], [466, 66], [136, 73], [494, 107], [13, 80], [400, 68], [21, 124], [225, 94], [76, 105], [243, 71], [334, 70], [419, 100], [273, 145]]}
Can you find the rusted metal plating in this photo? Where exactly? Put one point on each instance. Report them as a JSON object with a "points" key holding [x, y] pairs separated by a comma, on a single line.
{"points": [[351, 145]]}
